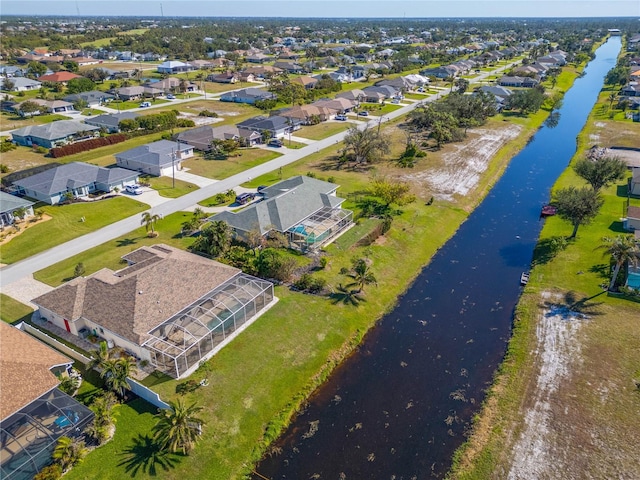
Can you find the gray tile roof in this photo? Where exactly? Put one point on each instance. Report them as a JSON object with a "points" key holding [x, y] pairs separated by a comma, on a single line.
{"points": [[73, 175], [54, 130], [9, 203], [89, 97], [156, 153], [133, 301], [286, 204]]}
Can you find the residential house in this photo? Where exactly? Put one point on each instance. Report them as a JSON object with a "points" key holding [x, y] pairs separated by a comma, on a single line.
{"points": [[20, 84], [306, 114], [93, 98], [526, 82], [631, 89], [159, 158], [304, 209], [77, 179], [258, 58], [58, 77], [634, 182], [355, 95], [12, 71], [262, 71], [11, 203], [247, 95], [289, 67], [174, 308], [276, 125], [202, 137], [34, 413], [502, 94], [306, 81], [202, 64], [632, 223], [172, 85], [174, 66], [338, 105], [440, 72], [110, 122], [227, 77], [136, 92], [379, 94], [49, 135]]}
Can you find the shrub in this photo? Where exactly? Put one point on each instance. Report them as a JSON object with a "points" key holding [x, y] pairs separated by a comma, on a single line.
{"points": [[74, 148], [4, 168], [79, 270], [323, 262], [50, 472], [40, 149], [7, 146], [208, 113]]}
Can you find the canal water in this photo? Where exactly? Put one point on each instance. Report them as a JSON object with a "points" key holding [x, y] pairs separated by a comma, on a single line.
{"points": [[400, 406]]}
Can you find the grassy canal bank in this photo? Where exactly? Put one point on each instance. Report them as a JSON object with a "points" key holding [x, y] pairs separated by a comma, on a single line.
{"points": [[564, 399], [260, 380]]}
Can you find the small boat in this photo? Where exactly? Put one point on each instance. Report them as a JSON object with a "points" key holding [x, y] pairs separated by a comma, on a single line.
{"points": [[548, 210], [524, 278]]}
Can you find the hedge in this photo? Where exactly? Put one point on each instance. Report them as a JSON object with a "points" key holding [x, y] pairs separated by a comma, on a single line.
{"points": [[86, 145]]}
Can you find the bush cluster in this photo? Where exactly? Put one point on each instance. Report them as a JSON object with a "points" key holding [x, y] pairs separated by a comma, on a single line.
{"points": [[58, 152]]}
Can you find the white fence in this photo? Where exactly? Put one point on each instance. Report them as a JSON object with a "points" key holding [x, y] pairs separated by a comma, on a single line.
{"points": [[146, 393], [54, 343]]}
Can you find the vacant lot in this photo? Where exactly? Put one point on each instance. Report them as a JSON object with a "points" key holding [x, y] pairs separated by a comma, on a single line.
{"points": [[322, 130], [219, 169]]}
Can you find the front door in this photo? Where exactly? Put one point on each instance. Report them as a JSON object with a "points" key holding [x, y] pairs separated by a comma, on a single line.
{"points": [[66, 325]]}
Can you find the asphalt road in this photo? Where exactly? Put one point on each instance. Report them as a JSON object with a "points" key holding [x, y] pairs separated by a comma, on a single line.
{"points": [[16, 271]]}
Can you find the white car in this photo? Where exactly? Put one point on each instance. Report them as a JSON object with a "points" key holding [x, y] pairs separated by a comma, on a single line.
{"points": [[133, 189]]}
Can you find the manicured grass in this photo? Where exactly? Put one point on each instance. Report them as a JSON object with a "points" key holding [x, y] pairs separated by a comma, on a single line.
{"points": [[9, 121], [109, 254], [378, 108], [292, 144], [131, 453], [219, 169], [66, 225], [13, 311], [164, 186], [321, 130]]}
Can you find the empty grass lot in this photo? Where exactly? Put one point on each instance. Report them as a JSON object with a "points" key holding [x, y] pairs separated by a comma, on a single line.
{"points": [[65, 225], [220, 169], [321, 130], [10, 121], [164, 186]]}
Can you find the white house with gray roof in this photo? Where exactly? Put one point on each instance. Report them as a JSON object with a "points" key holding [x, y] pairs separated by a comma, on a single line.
{"points": [[305, 209], [77, 178], [93, 98], [157, 158], [54, 134], [111, 122], [20, 84], [10, 204]]}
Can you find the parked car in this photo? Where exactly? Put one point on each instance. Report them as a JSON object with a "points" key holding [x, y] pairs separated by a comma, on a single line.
{"points": [[244, 198], [261, 188], [145, 104], [133, 189], [171, 96], [421, 90], [274, 143], [341, 117], [395, 100], [363, 113]]}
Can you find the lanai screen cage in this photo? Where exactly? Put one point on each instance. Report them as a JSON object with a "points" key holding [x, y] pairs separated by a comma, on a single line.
{"points": [[182, 341], [28, 438], [317, 229]]}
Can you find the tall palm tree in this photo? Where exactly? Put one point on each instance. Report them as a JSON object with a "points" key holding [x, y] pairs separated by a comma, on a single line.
{"points": [[362, 275], [69, 452], [623, 249], [149, 220], [116, 372], [178, 428], [100, 356]]}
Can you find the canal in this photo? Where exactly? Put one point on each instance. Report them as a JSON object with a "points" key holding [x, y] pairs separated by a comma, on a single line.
{"points": [[400, 406]]}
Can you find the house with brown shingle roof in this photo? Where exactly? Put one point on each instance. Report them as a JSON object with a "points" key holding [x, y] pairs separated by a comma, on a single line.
{"points": [[33, 412], [169, 307]]}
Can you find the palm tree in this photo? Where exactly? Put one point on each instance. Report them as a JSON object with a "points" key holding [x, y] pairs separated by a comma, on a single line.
{"points": [[69, 452], [361, 274], [116, 372], [178, 428], [99, 357], [623, 249], [149, 220], [214, 239]]}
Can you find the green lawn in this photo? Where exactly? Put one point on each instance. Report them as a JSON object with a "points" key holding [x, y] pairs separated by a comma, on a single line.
{"points": [[220, 169], [321, 130], [109, 254], [378, 108], [65, 225], [13, 311], [165, 186], [10, 121]]}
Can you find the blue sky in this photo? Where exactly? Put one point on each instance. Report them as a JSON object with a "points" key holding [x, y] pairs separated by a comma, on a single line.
{"points": [[327, 8]]}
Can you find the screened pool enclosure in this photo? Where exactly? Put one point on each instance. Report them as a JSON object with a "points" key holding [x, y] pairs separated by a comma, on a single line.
{"points": [[178, 345], [29, 437], [318, 228]]}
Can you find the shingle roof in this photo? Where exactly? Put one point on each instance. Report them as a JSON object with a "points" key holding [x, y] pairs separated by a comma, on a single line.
{"points": [[111, 119], [9, 203], [286, 204], [633, 212], [263, 123], [54, 130], [75, 174], [92, 96], [58, 77], [25, 369], [157, 153], [133, 301]]}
